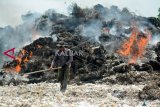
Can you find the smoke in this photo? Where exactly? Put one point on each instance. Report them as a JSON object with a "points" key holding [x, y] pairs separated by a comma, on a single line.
{"points": [[155, 39], [16, 37], [92, 30], [111, 24], [34, 26]]}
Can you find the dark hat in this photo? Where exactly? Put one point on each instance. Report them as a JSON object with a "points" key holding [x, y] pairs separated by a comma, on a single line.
{"points": [[61, 44]]}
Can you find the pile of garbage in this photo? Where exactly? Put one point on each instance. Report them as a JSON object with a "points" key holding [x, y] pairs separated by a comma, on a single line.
{"points": [[97, 33]]}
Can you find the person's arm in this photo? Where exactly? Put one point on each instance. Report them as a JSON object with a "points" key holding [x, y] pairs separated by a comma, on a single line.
{"points": [[54, 61], [70, 58]]}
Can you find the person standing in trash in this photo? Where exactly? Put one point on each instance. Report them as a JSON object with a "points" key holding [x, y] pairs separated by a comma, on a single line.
{"points": [[63, 58]]}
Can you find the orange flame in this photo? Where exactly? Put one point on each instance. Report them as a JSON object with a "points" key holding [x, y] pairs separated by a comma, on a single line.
{"points": [[18, 68], [20, 59], [135, 46]]}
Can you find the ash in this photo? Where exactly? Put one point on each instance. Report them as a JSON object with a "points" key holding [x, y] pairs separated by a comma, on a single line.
{"points": [[86, 95]]}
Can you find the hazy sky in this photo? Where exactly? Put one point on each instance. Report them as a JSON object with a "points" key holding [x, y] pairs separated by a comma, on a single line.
{"points": [[11, 10]]}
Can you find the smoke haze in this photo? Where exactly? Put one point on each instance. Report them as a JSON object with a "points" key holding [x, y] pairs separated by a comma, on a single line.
{"points": [[11, 10]]}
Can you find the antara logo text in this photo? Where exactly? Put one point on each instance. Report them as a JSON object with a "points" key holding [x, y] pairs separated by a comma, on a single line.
{"points": [[9, 53]]}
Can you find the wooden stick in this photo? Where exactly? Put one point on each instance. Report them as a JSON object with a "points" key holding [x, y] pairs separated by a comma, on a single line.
{"points": [[42, 71], [1, 70]]}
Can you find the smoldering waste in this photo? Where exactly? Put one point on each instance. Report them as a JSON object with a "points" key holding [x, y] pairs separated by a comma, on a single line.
{"points": [[101, 34]]}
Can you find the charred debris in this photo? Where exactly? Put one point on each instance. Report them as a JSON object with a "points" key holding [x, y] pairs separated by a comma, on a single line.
{"points": [[99, 33]]}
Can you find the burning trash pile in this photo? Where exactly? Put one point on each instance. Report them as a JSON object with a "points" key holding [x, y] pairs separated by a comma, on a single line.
{"points": [[117, 47]]}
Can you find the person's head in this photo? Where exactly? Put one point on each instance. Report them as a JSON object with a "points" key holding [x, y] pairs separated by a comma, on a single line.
{"points": [[61, 48]]}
